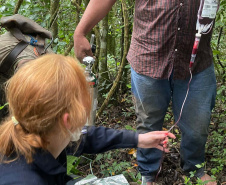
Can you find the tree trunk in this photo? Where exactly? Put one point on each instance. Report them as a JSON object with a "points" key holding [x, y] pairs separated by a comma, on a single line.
{"points": [[126, 48], [103, 77], [54, 8], [95, 68], [111, 37]]}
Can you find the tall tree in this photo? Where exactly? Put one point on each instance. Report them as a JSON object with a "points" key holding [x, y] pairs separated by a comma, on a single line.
{"points": [[54, 10], [103, 68]]}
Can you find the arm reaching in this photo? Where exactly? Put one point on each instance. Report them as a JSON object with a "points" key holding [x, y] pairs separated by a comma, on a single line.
{"points": [[95, 11], [155, 139], [101, 139]]}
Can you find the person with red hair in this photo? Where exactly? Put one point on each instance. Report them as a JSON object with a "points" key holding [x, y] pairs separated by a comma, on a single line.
{"points": [[49, 104]]}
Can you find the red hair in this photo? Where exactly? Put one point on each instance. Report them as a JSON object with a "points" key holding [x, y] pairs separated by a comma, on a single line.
{"points": [[39, 94]]}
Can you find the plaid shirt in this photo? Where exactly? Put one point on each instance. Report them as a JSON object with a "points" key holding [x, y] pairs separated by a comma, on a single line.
{"points": [[163, 38]]}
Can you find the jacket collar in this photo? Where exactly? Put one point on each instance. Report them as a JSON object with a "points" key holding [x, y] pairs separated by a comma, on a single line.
{"points": [[47, 163]]}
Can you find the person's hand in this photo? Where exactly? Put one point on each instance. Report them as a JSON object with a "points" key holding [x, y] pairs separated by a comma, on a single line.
{"points": [[82, 47], [155, 139]]}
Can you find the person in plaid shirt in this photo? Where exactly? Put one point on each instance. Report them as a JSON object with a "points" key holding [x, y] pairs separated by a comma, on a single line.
{"points": [[159, 55]]}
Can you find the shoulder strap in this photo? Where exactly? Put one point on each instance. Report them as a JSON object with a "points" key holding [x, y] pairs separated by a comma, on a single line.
{"points": [[10, 59], [17, 33]]}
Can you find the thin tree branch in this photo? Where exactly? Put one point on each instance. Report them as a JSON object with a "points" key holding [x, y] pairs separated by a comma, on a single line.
{"points": [[19, 3], [68, 50], [54, 17]]}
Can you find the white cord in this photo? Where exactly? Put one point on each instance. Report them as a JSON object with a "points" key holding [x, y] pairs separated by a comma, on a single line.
{"points": [[182, 107], [90, 164]]}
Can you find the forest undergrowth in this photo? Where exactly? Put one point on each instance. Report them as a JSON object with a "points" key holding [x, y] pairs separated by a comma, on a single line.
{"points": [[123, 161]]}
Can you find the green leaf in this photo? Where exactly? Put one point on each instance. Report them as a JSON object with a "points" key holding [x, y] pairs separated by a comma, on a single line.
{"points": [[56, 40], [129, 86], [3, 106], [216, 52], [127, 66], [128, 127], [70, 161], [99, 157], [198, 166]]}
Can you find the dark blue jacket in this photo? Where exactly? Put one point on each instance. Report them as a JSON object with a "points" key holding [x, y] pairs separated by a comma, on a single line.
{"points": [[46, 170]]}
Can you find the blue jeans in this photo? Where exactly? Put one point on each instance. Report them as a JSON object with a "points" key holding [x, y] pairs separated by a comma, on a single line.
{"points": [[152, 97]]}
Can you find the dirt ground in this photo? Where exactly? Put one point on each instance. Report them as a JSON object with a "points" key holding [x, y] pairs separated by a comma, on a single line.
{"points": [[122, 116]]}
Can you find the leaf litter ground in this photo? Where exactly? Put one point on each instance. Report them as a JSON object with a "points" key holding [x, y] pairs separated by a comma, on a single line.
{"points": [[123, 161]]}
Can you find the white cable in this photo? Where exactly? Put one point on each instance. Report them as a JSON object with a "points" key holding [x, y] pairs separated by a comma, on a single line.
{"points": [[182, 107], [90, 164]]}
